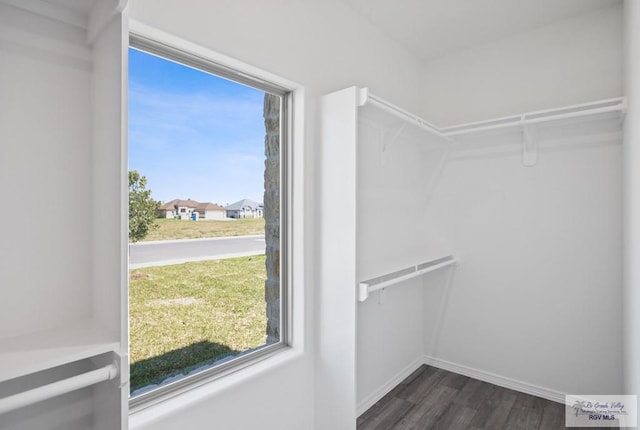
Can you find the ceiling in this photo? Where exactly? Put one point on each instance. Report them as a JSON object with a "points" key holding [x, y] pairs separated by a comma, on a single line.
{"points": [[433, 28]]}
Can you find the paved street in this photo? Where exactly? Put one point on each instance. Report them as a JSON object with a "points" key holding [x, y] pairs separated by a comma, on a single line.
{"points": [[144, 254]]}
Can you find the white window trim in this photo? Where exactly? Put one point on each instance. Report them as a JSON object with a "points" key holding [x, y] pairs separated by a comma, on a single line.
{"points": [[143, 408]]}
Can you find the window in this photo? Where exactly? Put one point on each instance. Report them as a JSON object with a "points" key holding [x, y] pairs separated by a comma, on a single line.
{"points": [[207, 280]]}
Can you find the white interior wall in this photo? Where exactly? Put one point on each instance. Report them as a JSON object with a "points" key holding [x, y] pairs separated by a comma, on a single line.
{"points": [[541, 247], [631, 155], [322, 46], [537, 296], [394, 164], [45, 173], [535, 303], [573, 61]]}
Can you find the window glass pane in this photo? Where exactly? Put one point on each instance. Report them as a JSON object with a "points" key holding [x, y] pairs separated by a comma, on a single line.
{"points": [[204, 220]]}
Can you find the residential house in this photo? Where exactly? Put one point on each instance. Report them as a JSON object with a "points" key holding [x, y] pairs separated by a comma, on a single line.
{"points": [[211, 211], [245, 208], [184, 209], [181, 209]]}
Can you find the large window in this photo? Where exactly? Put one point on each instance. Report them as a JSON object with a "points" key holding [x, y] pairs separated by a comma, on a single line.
{"points": [[207, 227]]}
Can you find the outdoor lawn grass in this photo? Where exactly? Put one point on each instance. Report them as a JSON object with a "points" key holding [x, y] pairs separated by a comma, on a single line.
{"points": [[169, 229], [186, 315]]}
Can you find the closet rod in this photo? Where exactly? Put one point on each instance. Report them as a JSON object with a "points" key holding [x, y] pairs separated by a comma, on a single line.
{"points": [[375, 284], [576, 111], [58, 388], [368, 98]]}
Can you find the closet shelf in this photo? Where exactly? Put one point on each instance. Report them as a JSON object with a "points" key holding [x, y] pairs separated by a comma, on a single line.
{"points": [[615, 106], [610, 106], [366, 98], [380, 282], [43, 350]]}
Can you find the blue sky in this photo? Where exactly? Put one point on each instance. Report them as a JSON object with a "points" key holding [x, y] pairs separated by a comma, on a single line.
{"points": [[192, 134]]}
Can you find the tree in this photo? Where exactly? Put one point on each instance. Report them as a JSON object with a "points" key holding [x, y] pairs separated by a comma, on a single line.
{"points": [[142, 208]]}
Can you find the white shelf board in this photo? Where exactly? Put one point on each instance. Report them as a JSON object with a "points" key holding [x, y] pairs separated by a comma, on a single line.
{"points": [[24, 355], [381, 282], [389, 116]]}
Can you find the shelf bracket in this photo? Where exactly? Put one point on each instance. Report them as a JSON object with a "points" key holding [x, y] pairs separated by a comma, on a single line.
{"points": [[529, 145], [386, 144]]}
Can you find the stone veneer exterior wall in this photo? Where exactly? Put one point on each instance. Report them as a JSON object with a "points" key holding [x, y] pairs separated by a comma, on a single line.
{"points": [[271, 115]]}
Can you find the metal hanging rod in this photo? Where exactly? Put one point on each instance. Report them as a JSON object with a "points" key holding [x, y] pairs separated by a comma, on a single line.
{"points": [[58, 388], [374, 284]]}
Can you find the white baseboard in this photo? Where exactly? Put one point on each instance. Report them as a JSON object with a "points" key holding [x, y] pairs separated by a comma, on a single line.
{"points": [[492, 378], [371, 399], [481, 375]]}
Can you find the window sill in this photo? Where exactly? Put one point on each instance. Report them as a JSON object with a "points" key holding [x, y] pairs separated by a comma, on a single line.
{"points": [[174, 401]]}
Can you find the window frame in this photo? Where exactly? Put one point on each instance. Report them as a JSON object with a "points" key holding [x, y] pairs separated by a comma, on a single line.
{"points": [[189, 382]]}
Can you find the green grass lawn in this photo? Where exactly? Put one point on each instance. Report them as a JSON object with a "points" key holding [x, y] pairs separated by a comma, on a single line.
{"points": [[186, 315], [182, 229]]}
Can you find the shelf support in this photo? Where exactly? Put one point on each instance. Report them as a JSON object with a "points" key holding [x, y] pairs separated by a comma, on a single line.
{"points": [[529, 145]]}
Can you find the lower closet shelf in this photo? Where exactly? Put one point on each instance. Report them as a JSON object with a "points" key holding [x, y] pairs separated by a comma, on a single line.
{"points": [[43, 350], [380, 282]]}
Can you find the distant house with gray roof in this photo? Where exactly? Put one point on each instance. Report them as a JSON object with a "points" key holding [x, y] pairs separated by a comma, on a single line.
{"points": [[245, 208]]}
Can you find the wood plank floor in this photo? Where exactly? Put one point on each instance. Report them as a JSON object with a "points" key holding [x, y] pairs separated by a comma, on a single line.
{"points": [[432, 398]]}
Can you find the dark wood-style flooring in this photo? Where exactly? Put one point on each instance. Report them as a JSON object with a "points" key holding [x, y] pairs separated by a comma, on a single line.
{"points": [[432, 398]]}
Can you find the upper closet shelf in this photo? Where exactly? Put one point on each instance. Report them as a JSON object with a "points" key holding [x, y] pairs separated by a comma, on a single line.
{"points": [[366, 98], [527, 124], [614, 106], [606, 109]]}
